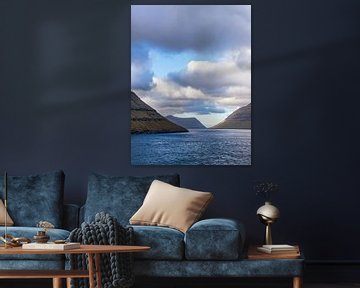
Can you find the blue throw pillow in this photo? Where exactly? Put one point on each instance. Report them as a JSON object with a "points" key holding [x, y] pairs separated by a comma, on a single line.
{"points": [[120, 196], [35, 198]]}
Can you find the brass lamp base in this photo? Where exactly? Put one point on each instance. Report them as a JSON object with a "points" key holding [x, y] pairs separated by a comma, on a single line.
{"points": [[268, 238]]}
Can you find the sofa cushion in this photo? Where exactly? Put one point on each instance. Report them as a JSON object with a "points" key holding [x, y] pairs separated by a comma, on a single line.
{"points": [[29, 232], [35, 198], [39, 264], [9, 221], [214, 239], [169, 206], [165, 243], [119, 196]]}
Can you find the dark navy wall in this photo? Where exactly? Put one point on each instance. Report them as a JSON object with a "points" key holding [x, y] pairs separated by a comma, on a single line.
{"points": [[64, 100]]}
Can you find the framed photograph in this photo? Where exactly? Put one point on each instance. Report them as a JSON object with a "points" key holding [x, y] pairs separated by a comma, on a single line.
{"points": [[191, 84]]}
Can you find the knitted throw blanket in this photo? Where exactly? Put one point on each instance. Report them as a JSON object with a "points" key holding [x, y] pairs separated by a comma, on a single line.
{"points": [[116, 268]]}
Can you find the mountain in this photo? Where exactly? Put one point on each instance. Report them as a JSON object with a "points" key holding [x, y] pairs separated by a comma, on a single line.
{"points": [[188, 123], [145, 119], [239, 119]]}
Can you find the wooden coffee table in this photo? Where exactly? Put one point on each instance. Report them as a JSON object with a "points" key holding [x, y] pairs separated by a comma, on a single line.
{"points": [[57, 275]]}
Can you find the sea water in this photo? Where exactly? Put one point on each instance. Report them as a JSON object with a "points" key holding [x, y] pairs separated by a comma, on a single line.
{"points": [[196, 147]]}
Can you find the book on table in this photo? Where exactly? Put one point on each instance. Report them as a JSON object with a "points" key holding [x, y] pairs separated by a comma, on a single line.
{"points": [[51, 246], [255, 254], [278, 249]]}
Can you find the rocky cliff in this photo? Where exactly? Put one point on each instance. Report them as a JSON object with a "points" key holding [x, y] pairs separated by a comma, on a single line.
{"points": [[145, 119], [188, 123], [239, 119]]}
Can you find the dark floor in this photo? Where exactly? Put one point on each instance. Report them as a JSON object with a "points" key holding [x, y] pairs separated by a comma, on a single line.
{"points": [[254, 283], [333, 285]]}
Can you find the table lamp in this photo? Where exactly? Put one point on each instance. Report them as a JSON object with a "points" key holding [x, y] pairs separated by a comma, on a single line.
{"points": [[268, 214]]}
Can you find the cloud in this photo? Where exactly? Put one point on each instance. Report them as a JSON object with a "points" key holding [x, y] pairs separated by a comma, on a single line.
{"points": [[141, 68], [169, 98], [241, 56], [235, 97], [201, 28], [212, 77]]}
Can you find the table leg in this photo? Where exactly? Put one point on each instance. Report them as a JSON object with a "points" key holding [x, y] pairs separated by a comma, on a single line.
{"points": [[91, 270], [57, 283], [68, 282], [297, 282], [98, 270]]}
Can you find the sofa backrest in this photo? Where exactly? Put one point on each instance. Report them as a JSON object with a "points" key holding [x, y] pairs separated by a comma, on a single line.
{"points": [[35, 198], [70, 219], [120, 196]]}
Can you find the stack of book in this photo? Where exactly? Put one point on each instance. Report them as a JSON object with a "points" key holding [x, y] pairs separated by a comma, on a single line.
{"points": [[279, 249], [274, 252]]}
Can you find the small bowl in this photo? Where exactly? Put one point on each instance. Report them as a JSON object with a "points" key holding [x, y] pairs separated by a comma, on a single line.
{"points": [[41, 237]]}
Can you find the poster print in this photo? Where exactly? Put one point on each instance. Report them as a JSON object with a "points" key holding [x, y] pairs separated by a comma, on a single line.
{"points": [[191, 84]]}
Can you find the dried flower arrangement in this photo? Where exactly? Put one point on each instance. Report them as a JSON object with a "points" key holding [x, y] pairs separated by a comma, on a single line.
{"points": [[264, 189], [45, 225]]}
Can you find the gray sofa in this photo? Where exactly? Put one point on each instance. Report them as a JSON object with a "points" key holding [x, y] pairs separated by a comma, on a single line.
{"points": [[32, 199], [210, 248]]}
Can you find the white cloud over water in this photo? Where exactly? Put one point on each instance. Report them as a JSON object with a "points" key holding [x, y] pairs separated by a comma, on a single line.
{"points": [[215, 40], [171, 98], [212, 76]]}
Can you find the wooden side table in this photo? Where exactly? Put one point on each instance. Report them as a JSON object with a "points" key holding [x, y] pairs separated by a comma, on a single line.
{"points": [[93, 251], [254, 254]]}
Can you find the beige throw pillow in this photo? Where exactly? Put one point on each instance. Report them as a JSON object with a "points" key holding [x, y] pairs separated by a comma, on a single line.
{"points": [[9, 221], [170, 206]]}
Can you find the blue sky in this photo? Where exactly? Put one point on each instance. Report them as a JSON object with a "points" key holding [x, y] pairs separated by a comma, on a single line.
{"points": [[192, 60]]}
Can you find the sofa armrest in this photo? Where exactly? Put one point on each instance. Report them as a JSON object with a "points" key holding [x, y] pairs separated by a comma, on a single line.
{"points": [[71, 216], [215, 239]]}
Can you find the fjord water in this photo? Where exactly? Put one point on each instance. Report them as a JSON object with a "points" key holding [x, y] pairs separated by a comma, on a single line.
{"points": [[196, 147]]}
